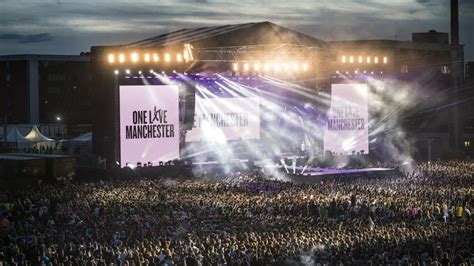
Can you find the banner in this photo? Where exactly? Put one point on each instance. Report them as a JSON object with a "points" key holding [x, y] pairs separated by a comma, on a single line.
{"points": [[346, 130], [149, 124], [223, 119]]}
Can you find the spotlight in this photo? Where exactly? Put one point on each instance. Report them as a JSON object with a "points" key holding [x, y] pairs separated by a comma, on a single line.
{"points": [[372, 72], [151, 71], [111, 58], [295, 67], [163, 72], [356, 72], [179, 57], [337, 71], [127, 71], [235, 67], [116, 72], [167, 57], [139, 72], [385, 60], [351, 59], [147, 57], [155, 57], [256, 66], [246, 67], [376, 60], [266, 67], [381, 72], [343, 59], [347, 72], [368, 59], [174, 71], [121, 58], [305, 67], [360, 59], [365, 72], [276, 67], [134, 57], [287, 67], [186, 55]]}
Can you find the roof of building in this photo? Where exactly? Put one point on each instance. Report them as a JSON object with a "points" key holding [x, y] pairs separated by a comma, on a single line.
{"points": [[43, 57], [260, 33], [389, 44]]}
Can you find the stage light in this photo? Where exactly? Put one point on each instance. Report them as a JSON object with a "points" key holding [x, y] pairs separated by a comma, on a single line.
{"points": [[246, 67], [58, 118], [286, 66], [139, 72], [376, 60], [186, 55], [372, 72], [337, 71], [356, 72], [256, 66], [368, 59], [305, 67], [179, 58], [111, 58], [163, 72], [351, 59], [134, 57], [121, 58], [127, 71], [266, 67], [147, 57], [235, 67], [343, 59], [174, 71], [347, 72], [156, 58], [116, 72], [365, 72], [167, 57], [295, 67], [361, 60], [151, 71], [385, 60], [276, 67]]}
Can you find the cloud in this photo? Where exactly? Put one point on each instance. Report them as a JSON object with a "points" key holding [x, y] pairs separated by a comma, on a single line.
{"points": [[30, 38], [78, 25]]}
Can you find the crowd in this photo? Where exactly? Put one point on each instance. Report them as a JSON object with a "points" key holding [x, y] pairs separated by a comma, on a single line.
{"points": [[419, 218]]}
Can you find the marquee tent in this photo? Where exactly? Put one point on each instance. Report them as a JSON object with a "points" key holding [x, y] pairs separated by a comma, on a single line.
{"points": [[17, 138], [39, 139]]}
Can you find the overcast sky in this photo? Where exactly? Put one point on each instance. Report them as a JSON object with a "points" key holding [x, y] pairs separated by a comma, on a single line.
{"points": [[72, 26]]}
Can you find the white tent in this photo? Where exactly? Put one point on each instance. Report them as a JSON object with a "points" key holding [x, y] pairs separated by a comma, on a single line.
{"points": [[39, 139], [81, 143], [16, 137], [86, 137]]}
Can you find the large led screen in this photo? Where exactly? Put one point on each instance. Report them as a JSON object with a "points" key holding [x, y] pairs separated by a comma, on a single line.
{"points": [[223, 119], [149, 124], [346, 130]]}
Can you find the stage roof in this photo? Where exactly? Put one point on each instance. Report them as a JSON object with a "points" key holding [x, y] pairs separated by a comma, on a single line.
{"points": [[260, 33]]}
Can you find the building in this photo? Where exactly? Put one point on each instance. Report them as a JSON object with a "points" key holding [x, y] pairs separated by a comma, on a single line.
{"points": [[44, 89]]}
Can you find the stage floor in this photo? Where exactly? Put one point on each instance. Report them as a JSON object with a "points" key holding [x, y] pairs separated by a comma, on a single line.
{"points": [[332, 171]]}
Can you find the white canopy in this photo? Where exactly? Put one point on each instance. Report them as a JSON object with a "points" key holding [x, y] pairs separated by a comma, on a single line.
{"points": [[36, 136], [16, 137], [83, 137]]}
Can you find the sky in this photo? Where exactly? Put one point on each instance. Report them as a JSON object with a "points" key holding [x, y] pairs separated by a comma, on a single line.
{"points": [[72, 26]]}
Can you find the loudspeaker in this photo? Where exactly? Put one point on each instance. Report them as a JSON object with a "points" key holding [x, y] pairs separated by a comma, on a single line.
{"points": [[189, 107]]}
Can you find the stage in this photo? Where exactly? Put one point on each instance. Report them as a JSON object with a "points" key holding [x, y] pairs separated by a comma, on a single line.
{"points": [[317, 174], [332, 171]]}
